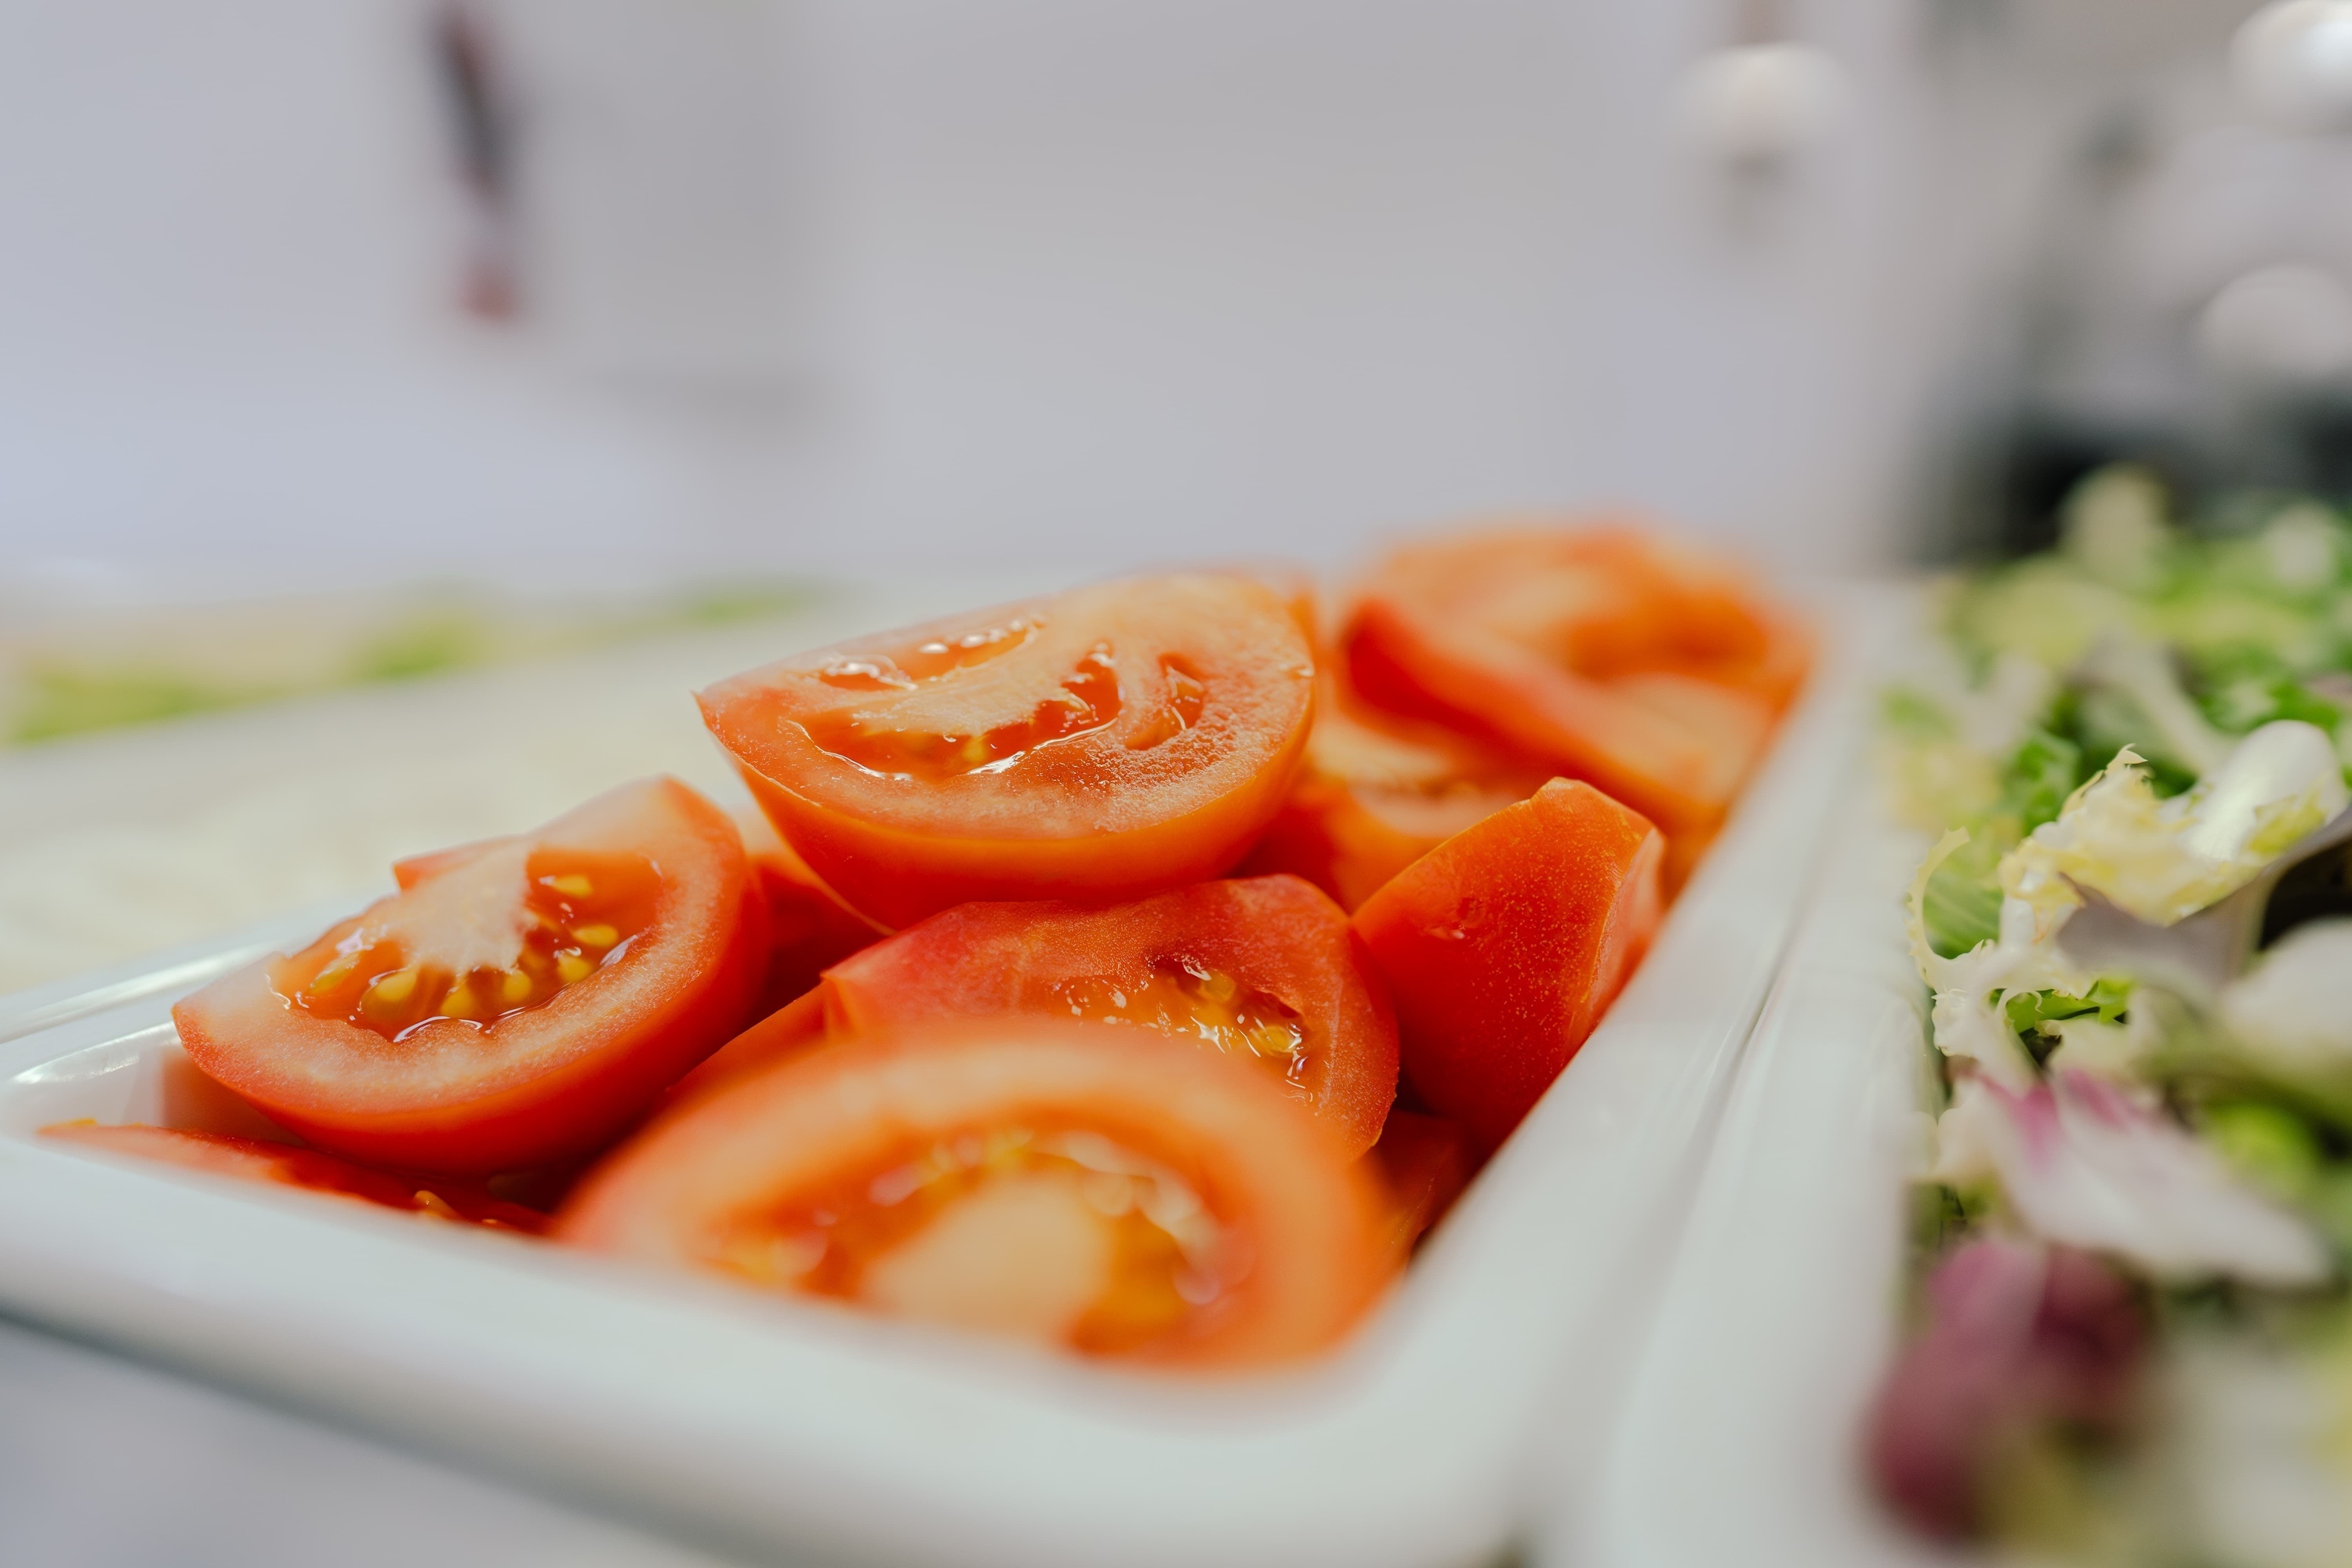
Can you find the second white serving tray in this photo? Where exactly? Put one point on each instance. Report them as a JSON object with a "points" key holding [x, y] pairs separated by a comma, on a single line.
{"points": [[788, 1426], [1741, 1439]]}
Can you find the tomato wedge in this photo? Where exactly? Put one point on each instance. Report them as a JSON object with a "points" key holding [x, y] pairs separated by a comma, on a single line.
{"points": [[1425, 1162], [1503, 946], [1377, 793], [1105, 744], [254, 1159], [1264, 970], [1656, 676], [1012, 1176], [809, 926], [516, 1004]]}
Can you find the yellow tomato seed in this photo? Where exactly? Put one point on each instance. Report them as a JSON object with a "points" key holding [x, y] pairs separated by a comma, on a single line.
{"points": [[515, 989], [460, 1003], [393, 989], [597, 935], [573, 885], [573, 968]]}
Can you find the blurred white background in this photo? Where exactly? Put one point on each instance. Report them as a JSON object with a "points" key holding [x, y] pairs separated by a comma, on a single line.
{"points": [[820, 283]]}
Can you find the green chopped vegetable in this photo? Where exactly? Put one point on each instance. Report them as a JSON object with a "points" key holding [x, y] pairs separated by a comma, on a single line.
{"points": [[2038, 776], [2269, 1144]]}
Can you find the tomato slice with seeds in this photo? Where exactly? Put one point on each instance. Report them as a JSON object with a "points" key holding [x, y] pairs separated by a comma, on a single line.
{"points": [[809, 926], [1266, 970], [255, 1160], [1655, 675], [1107, 743], [1377, 793], [1011, 1176], [1505, 945], [517, 1003]]}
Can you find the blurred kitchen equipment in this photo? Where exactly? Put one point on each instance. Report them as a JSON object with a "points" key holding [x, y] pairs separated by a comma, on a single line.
{"points": [[2179, 289], [477, 100], [1756, 106], [635, 171], [2293, 64]]}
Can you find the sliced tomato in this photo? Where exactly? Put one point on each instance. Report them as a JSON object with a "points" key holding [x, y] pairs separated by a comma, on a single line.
{"points": [[1425, 1162], [796, 1027], [515, 1005], [1503, 945], [1377, 793], [1105, 744], [809, 926], [1010, 1176], [1293, 583], [254, 1159], [1264, 970], [1656, 676]]}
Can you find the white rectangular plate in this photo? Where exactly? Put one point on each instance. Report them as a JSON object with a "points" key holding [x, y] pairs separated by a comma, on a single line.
{"points": [[782, 1423]]}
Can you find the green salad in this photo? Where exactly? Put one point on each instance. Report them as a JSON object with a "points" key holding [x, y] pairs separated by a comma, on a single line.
{"points": [[2130, 1341]]}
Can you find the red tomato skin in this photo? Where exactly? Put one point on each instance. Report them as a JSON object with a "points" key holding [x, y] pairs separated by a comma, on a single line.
{"points": [[1680, 775], [579, 1074], [788, 1031], [1314, 1216], [1661, 691], [1425, 1161], [1325, 836], [1277, 934], [899, 878], [1503, 946], [810, 928], [1113, 827], [255, 1160], [1341, 831]]}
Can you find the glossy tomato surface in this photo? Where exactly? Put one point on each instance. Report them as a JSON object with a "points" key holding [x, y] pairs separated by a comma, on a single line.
{"points": [[518, 1004], [1656, 676], [809, 926], [1377, 792], [283, 1164], [1503, 947], [1264, 970], [1107, 743], [1012, 1176]]}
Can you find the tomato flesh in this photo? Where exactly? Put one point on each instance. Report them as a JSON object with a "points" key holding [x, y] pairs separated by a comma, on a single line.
{"points": [[395, 974], [1377, 793], [254, 1159], [1503, 947], [1156, 1250], [1263, 970], [1655, 675], [1012, 1176], [514, 1007], [1107, 743]]}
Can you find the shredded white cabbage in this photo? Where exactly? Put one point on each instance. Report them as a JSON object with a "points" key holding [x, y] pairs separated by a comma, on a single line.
{"points": [[1973, 989], [2293, 1006], [2162, 860], [2158, 859]]}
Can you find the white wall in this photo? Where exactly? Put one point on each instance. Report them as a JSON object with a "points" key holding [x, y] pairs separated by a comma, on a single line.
{"points": [[1084, 283]]}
